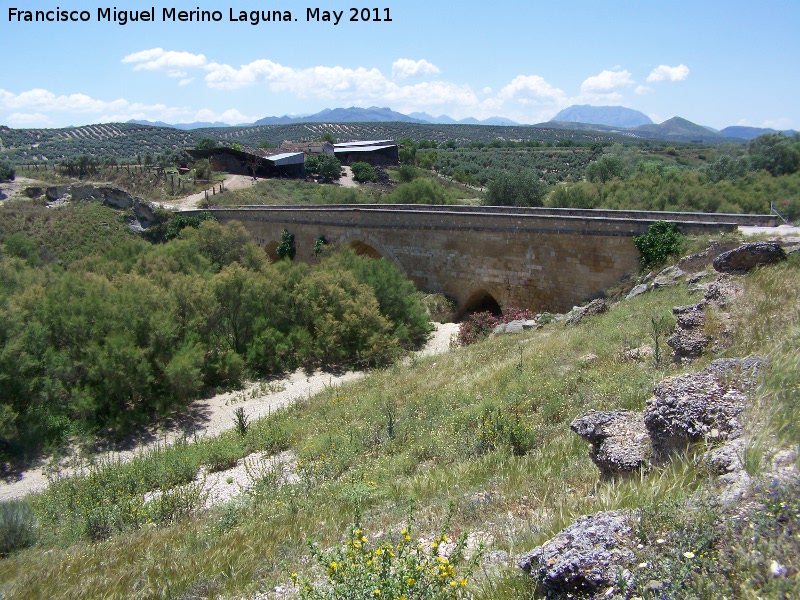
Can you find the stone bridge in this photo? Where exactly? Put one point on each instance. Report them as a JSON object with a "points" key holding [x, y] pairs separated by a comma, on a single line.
{"points": [[491, 258]]}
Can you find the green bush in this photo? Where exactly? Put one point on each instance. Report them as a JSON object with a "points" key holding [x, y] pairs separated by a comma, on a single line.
{"points": [[17, 526], [7, 172], [520, 188], [661, 241], [363, 172]]}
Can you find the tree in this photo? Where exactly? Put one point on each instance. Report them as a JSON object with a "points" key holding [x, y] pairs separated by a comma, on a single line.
{"points": [[776, 153], [7, 172], [286, 249], [206, 143], [661, 240], [521, 188], [604, 169], [325, 166], [363, 172]]}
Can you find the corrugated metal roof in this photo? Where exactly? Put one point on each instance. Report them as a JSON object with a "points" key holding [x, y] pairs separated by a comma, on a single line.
{"points": [[360, 149], [378, 143], [286, 158]]}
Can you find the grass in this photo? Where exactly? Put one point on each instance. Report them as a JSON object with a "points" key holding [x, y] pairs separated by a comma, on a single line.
{"points": [[412, 435]]}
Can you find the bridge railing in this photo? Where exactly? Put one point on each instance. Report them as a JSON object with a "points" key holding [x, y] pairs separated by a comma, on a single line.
{"points": [[643, 215]]}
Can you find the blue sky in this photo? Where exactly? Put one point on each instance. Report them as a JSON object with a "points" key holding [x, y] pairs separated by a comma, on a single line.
{"points": [[715, 63]]}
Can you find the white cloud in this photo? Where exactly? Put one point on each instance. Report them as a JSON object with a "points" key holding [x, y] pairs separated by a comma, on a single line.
{"points": [[174, 64], [28, 120], [607, 82], [186, 81], [643, 89], [405, 67], [666, 73], [230, 116], [39, 107]]}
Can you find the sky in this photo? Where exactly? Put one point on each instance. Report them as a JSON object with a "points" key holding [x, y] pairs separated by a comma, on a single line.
{"points": [[716, 63]]}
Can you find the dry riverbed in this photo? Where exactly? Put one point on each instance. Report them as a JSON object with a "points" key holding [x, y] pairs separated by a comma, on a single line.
{"points": [[209, 418]]}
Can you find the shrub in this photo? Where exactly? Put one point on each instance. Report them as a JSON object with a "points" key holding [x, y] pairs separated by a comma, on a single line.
{"points": [[395, 566], [520, 188], [363, 172], [661, 240], [286, 249], [479, 325], [7, 172], [497, 428], [17, 526]]}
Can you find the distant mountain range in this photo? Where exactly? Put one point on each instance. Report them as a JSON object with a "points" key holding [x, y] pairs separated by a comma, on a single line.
{"points": [[607, 119], [613, 116]]}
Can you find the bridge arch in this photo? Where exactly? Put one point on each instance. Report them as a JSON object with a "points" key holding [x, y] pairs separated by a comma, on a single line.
{"points": [[366, 245], [271, 248], [481, 300]]}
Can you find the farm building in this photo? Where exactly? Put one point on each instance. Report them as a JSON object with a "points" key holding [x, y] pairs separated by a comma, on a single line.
{"points": [[310, 148], [259, 163], [375, 152]]}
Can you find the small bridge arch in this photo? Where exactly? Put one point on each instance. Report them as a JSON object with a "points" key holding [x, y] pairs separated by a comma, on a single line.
{"points": [[369, 246]]}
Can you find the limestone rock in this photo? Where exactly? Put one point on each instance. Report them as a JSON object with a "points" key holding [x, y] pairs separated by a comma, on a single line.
{"points": [[638, 354], [726, 458], [619, 439], [689, 340], [668, 277], [688, 408], [749, 256], [595, 307], [56, 192], [516, 326], [638, 290], [589, 556]]}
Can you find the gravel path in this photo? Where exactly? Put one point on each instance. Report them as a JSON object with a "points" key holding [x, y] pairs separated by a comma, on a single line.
{"points": [[210, 417]]}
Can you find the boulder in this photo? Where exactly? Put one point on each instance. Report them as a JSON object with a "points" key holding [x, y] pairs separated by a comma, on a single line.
{"points": [[668, 277], [517, 326], [691, 408], [749, 256], [619, 440], [56, 192], [595, 307], [592, 555], [638, 290]]}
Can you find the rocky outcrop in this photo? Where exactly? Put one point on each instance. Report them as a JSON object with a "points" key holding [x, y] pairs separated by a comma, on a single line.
{"points": [[689, 340], [704, 406], [637, 291], [111, 195], [595, 307], [34, 191], [592, 555], [749, 256], [619, 439], [668, 277]]}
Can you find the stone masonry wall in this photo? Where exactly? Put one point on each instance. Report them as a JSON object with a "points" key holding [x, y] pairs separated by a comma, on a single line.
{"points": [[543, 263]]}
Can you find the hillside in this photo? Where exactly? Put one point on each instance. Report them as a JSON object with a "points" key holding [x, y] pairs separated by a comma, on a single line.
{"points": [[679, 129], [483, 430], [126, 141]]}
